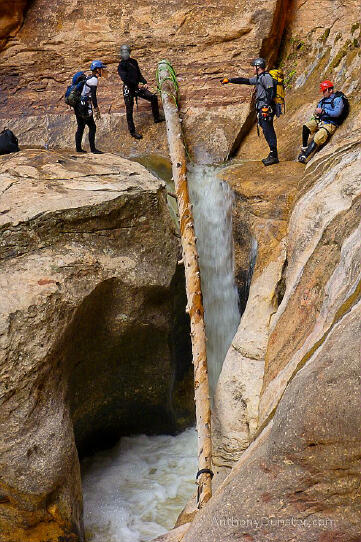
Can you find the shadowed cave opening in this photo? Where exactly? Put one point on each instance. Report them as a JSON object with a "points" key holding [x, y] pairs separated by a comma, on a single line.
{"points": [[129, 363]]}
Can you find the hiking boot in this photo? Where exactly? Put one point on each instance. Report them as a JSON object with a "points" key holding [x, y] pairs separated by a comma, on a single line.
{"points": [[304, 149], [97, 151], [136, 135], [272, 158], [81, 150], [302, 158], [307, 152]]}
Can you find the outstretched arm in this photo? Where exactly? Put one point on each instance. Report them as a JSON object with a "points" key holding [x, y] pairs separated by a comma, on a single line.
{"points": [[238, 81], [241, 81]]}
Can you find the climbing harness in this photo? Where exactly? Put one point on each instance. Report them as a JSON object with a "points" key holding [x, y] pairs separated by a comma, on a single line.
{"points": [[266, 112]]}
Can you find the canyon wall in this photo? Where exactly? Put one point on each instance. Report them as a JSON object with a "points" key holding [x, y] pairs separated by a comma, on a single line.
{"points": [[308, 55], [11, 18], [88, 269], [204, 41], [90, 255]]}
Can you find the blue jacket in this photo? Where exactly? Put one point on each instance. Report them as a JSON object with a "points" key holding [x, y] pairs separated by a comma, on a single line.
{"points": [[332, 108]]}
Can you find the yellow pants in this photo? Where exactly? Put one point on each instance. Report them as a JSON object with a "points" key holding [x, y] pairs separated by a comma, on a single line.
{"points": [[322, 130]]}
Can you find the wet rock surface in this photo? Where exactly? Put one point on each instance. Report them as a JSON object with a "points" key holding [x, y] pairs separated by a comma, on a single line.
{"points": [[89, 254], [260, 219]]}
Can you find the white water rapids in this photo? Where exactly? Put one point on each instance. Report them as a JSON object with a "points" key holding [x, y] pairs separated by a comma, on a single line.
{"points": [[135, 491]]}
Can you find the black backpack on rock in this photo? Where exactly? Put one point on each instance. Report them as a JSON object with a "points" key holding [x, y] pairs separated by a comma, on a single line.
{"points": [[8, 142]]}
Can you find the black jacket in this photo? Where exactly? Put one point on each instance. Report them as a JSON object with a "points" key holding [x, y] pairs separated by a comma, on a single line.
{"points": [[130, 73]]}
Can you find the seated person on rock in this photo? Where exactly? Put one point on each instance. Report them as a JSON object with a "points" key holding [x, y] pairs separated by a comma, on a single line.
{"points": [[324, 123], [135, 86]]}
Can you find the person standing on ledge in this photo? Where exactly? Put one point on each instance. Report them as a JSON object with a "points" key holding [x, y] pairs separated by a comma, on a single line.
{"points": [[132, 78], [265, 95], [84, 110]]}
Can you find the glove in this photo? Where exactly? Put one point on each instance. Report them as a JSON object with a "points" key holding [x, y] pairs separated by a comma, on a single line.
{"points": [[224, 81], [97, 113]]}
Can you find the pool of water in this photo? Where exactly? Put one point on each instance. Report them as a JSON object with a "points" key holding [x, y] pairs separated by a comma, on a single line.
{"points": [[135, 491]]}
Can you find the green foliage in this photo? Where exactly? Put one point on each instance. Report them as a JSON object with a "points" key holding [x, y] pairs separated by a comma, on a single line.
{"points": [[341, 54], [289, 78], [355, 27], [325, 35]]}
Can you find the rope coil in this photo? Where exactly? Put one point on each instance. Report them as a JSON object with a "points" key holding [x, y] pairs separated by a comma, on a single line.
{"points": [[172, 77]]}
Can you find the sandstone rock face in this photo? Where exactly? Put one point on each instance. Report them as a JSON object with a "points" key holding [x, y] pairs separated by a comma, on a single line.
{"points": [[290, 378], [260, 222], [204, 42], [300, 479], [11, 18], [89, 253], [323, 272], [176, 535]]}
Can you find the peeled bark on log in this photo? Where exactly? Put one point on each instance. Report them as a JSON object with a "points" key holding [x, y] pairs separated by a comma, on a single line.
{"points": [[167, 84]]}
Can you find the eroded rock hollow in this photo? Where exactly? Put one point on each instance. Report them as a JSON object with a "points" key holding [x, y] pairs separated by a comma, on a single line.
{"points": [[91, 293]]}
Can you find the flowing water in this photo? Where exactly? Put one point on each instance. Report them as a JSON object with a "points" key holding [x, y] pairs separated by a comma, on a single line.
{"points": [[212, 209], [135, 491]]}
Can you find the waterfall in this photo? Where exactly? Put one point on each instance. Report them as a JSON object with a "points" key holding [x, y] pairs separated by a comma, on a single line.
{"points": [[135, 491], [212, 210]]}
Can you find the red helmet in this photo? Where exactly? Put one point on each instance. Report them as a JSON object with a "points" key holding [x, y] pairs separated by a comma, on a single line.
{"points": [[325, 85]]}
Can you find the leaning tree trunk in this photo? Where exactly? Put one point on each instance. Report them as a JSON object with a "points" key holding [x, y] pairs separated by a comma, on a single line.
{"points": [[168, 88]]}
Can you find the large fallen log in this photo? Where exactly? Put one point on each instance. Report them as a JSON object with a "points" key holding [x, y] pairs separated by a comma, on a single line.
{"points": [[168, 88]]}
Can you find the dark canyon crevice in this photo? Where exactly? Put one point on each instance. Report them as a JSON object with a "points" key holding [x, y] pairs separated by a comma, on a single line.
{"points": [[128, 363], [271, 50]]}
